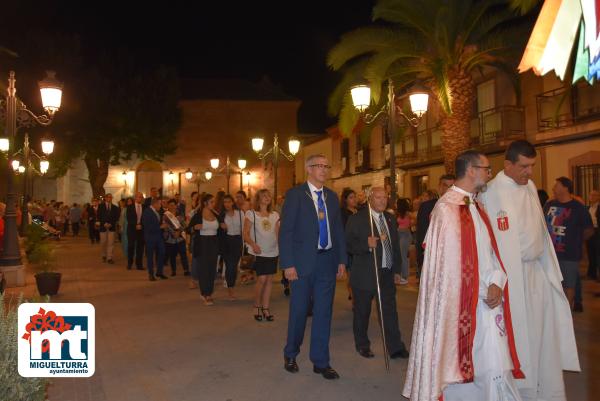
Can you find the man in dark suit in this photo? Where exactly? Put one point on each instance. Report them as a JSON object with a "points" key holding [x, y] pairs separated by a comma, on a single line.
{"points": [[385, 243], [312, 251], [153, 195], [135, 234], [108, 216], [153, 236], [446, 181]]}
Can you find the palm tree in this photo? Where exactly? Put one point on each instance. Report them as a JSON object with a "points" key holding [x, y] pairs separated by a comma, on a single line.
{"points": [[438, 42]]}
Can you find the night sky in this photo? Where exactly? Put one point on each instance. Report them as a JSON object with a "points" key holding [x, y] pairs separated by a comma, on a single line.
{"points": [[287, 41]]}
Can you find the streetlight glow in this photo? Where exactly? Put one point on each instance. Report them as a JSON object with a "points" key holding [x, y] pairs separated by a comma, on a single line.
{"points": [[361, 97], [214, 163], [21, 169], [51, 91], [47, 146], [15, 165], [4, 144], [294, 146], [257, 144], [188, 174], [45, 165], [208, 175], [242, 163], [418, 102]]}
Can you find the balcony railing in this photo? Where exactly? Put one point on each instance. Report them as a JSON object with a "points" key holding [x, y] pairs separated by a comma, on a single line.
{"points": [[558, 108], [420, 146], [497, 126]]}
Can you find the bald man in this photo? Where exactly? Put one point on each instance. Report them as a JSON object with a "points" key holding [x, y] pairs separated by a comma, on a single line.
{"points": [[361, 244]]}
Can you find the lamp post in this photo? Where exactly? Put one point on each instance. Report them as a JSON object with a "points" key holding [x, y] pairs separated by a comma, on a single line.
{"points": [[275, 151], [229, 168], [205, 177], [28, 168], [17, 115], [418, 97]]}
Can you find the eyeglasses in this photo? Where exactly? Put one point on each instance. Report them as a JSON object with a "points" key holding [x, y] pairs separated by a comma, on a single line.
{"points": [[321, 166], [488, 168]]}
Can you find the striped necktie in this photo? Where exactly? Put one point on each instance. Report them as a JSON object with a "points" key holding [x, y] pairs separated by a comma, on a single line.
{"points": [[387, 242]]}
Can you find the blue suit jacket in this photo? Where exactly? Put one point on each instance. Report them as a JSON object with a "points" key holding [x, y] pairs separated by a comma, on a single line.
{"points": [[151, 226], [299, 230]]}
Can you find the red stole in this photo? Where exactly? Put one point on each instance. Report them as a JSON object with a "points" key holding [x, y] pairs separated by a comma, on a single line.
{"points": [[469, 296]]}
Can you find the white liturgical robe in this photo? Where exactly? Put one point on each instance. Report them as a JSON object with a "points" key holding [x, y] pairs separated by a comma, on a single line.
{"points": [[541, 314], [493, 379]]}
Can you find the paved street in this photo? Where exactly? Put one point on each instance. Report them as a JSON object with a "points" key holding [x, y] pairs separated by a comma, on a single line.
{"points": [[156, 341]]}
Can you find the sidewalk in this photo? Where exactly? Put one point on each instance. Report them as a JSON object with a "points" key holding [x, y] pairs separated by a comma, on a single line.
{"points": [[157, 341]]}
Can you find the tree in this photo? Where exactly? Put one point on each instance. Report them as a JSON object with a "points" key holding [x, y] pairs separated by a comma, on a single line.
{"points": [[440, 43], [114, 106]]}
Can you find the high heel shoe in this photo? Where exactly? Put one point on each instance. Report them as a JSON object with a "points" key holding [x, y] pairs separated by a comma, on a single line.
{"points": [[268, 317], [258, 316]]}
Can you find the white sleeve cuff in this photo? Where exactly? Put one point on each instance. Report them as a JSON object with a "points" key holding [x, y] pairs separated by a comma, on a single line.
{"points": [[498, 277]]}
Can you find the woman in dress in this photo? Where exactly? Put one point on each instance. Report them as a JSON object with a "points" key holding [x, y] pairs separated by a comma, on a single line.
{"points": [[261, 229]]}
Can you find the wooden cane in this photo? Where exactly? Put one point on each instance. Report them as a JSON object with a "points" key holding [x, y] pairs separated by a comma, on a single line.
{"points": [[386, 357]]}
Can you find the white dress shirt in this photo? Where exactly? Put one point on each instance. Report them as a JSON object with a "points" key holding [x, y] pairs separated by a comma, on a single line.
{"points": [[315, 199]]}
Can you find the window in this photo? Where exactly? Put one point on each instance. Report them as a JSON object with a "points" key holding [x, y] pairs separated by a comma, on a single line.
{"points": [[345, 152], [586, 179]]}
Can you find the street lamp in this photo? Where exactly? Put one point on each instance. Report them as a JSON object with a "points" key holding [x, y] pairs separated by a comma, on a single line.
{"points": [[188, 174], [229, 168], [418, 97], [208, 175], [275, 151], [14, 110]]}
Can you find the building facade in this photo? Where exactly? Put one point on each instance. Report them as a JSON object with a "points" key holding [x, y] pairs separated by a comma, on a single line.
{"points": [[562, 121]]}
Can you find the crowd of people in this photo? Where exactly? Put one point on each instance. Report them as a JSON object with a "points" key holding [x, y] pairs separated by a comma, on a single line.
{"points": [[469, 236]]}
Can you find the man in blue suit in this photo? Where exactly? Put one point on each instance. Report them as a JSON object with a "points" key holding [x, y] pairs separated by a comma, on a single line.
{"points": [[153, 237], [312, 251]]}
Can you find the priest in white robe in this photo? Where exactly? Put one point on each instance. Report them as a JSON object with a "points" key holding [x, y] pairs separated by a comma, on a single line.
{"points": [[541, 314], [463, 344]]}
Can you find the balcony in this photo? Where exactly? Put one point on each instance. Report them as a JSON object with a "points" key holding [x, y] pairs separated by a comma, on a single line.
{"points": [[559, 108], [421, 146], [498, 126]]}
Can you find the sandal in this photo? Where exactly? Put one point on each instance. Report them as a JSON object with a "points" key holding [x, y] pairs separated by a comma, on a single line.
{"points": [[268, 317], [258, 316]]}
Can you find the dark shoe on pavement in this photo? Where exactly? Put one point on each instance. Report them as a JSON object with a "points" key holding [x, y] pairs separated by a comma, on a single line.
{"points": [[110, 262], [128, 267], [286, 291], [140, 268], [328, 372], [173, 274], [578, 307], [151, 277], [290, 364], [403, 353], [162, 276], [366, 352], [186, 273]]}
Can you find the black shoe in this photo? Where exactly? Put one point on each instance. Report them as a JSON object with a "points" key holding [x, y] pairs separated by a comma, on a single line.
{"points": [[186, 273], [151, 277], [162, 276], [366, 352], [140, 268], [290, 364], [110, 262], [286, 291], [328, 372], [104, 258], [128, 267], [173, 274], [578, 307], [403, 353]]}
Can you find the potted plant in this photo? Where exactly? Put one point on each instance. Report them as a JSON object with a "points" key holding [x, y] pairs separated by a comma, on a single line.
{"points": [[40, 254]]}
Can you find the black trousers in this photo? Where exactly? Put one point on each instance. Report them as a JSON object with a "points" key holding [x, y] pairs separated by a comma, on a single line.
{"points": [[593, 248], [207, 268], [363, 300], [233, 252], [75, 228], [93, 232], [135, 245], [172, 250]]}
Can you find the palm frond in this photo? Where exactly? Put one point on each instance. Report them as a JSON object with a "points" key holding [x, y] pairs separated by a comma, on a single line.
{"points": [[365, 41], [353, 74], [378, 66], [348, 117], [523, 6], [441, 85], [412, 14]]}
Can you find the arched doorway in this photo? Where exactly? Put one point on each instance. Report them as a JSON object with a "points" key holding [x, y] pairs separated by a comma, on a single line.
{"points": [[147, 175]]}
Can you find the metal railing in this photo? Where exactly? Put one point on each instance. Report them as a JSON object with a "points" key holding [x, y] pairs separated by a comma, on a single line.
{"points": [[498, 125], [563, 107]]}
